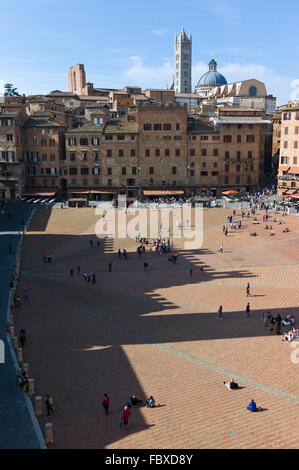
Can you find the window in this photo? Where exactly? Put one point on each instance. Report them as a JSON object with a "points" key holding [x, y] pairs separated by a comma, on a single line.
{"points": [[216, 137], [95, 141], [238, 155], [25, 139], [239, 126], [286, 130], [151, 170], [192, 152], [120, 153], [133, 153], [52, 157], [226, 154], [109, 153], [285, 144], [9, 137], [108, 137], [238, 168], [120, 137], [249, 154], [192, 173], [248, 179], [215, 152], [215, 173], [73, 170], [51, 131], [134, 172], [83, 141], [123, 170], [284, 160], [157, 127], [239, 139], [157, 152], [177, 126], [167, 137], [109, 171], [238, 179], [295, 160], [167, 153], [296, 144], [95, 156], [226, 180], [177, 152], [250, 139], [250, 126], [215, 165], [96, 170], [204, 173], [226, 167], [84, 156], [174, 170], [72, 156], [84, 171], [147, 152], [151, 181], [72, 141], [227, 138], [147, 127], [9, 122], [132, 137], [204, 152], [286, 116], [204, 164], [204, 137], [296, 130], [192, 137], [177, 137], [167, 127]]}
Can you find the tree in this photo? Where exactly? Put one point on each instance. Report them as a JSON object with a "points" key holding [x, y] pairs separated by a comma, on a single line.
{"points": [[10, 90]]}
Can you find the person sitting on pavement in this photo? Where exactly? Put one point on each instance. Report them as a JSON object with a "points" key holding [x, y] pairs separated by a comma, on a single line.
{"points": [[252, 406], [150, 402], [135, 401], [232, 385]]}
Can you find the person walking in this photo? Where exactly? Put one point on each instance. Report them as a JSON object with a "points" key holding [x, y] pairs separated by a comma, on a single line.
{"points": [[220, 313], [278, 324], [106, 403], [49, 404], [25, 293], [72, 271], [125, 417], [22, 338], [110, 266], [78, 270], [190, 269], [248, 309], [248, 290], [93, 278], [91, 243], [220, 248]]}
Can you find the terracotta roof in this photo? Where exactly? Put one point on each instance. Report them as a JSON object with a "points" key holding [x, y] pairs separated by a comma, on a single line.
{"points": [[294, 169], [284, 168]]}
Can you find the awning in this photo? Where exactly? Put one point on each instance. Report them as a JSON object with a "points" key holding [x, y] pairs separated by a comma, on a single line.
{"points": [[163, 193], [294, 170], [231, 193], [78, 191], [77, 199], [296, 195], [39, 192], [102, 191], [284, 168]]}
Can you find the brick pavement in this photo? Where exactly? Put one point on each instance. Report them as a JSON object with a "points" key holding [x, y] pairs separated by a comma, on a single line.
{"points": [[156, 333]]}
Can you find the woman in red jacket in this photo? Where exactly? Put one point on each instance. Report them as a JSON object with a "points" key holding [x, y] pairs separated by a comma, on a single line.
{"points": [[125, 417]]}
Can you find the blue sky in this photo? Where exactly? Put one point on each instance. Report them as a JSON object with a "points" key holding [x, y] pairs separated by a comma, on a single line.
{"points": [[131, 43]]}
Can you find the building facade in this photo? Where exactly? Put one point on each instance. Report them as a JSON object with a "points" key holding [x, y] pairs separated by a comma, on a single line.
{"points": [[288, 171]]}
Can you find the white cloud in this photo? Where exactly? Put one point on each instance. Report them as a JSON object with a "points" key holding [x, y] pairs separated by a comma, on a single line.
{"points": [[149, 76], [160, 32]]}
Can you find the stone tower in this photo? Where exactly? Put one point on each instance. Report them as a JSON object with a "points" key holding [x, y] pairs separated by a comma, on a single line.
{"points": [[77, 80], [182, 63]]}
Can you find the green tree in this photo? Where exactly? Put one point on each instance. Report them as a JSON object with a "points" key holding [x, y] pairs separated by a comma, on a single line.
{"points": [[10, 90]]}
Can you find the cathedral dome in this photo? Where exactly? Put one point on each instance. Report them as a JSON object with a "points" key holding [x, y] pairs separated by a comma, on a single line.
{"points": [[212, 77]]}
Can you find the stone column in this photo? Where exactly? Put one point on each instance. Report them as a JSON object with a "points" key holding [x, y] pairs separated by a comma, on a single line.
{"points": [[25, 367], [31, 387], [15, 342], [20, 355], [49, 434], [38, 406]]}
